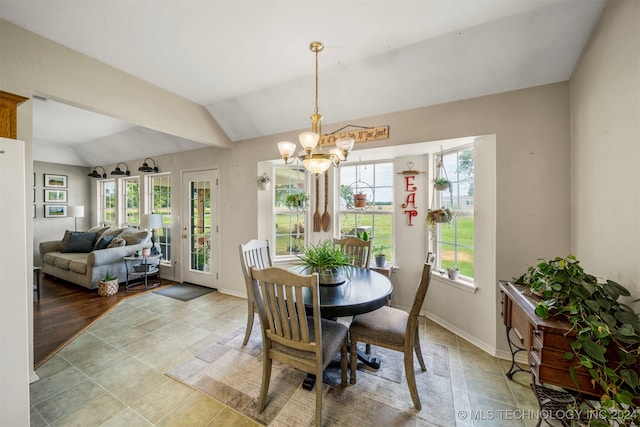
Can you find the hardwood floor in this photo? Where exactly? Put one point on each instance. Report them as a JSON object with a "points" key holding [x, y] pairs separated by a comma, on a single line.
{"points": [[64, 310]]}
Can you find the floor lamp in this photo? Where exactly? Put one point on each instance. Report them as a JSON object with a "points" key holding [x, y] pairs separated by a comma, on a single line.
{"points": [[76, 212], [151, 222]]}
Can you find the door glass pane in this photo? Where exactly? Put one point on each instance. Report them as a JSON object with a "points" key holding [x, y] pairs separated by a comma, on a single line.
{"points": [[200, 225]]}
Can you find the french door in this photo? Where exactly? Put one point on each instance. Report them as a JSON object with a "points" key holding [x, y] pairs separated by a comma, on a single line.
{"points": [[200, 228]]}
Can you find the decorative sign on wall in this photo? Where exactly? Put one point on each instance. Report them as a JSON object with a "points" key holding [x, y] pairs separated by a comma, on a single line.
{"points": [[361, 135], [410, 187]]}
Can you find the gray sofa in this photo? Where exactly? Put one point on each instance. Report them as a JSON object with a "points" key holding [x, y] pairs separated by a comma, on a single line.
{"points": [[88, 266]]}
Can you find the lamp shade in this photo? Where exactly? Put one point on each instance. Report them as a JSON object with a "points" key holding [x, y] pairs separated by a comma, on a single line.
{"points": [[151, 221], [75, 211]]}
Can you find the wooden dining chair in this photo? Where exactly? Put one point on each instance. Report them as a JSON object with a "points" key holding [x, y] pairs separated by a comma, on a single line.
{"points": [[359, 250], [289, 336], [396, 330], [254, 253]]}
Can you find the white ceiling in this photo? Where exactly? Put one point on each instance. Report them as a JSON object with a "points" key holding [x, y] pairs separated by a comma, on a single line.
{"points": [[249, 63]]}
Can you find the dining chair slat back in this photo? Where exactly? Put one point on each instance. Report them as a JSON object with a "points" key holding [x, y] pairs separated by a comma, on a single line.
{"points": [[254, 253], [397, 330], [290, 336], [357, 249]]}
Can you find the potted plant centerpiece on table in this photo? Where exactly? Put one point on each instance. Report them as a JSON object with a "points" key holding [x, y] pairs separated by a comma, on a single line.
{"points": [[605, 333], [379, 253], [326, 259]]}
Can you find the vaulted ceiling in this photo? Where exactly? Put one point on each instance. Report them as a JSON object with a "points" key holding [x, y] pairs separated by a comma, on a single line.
{"points": [[249, 63]]}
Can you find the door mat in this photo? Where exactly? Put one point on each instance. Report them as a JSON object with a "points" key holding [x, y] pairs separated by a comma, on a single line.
{"points": [[232, 374], [184, 291]]}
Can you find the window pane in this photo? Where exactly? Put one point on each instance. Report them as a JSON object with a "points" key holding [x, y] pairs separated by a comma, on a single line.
{"points": [[161, 203], [455, 240], [289, 209], [132, 202], [375, 180], [107, 202]]}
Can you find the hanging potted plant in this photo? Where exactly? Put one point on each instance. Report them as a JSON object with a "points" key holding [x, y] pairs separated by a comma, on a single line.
{"points": [[263, 181], [441, 183], [359, 200], [438, 216], [296, 200]]}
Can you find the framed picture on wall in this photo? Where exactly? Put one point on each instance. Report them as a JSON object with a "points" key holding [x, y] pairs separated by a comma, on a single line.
{"points": [[57, 181], [55, 211], [55, 196]]}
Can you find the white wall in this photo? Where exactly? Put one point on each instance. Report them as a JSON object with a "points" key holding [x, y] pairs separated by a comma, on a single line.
{"points": [[15, 369], [605, 147], [78, 193]]}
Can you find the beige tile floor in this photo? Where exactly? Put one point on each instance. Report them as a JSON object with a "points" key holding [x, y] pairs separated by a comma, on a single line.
{"points": [[113, 373]]}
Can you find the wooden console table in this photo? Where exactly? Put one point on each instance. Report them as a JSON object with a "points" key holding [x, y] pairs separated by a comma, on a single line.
{"points": [[544, 341]]}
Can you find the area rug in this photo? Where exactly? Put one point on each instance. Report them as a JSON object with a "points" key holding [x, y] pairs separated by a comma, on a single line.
{"points": [[184, 291], [232, 374]]}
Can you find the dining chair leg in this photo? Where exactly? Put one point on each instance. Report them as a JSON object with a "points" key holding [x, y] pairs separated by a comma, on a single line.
{"points": [[266, 377], [411, 378], [354, 360], [250, 312], [343, 364], [418, 350], [319, 398]]}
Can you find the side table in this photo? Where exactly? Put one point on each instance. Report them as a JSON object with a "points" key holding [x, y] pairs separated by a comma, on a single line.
{"points": [[140, 269], [36, 281]]}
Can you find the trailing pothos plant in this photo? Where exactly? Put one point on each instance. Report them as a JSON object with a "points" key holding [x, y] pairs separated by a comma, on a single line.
{"points": [[598, 321]]}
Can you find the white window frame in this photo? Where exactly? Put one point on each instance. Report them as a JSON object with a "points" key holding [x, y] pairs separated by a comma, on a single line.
{"points": [[148, 182], [102, 201], [441, 198], [123, 200], [304, 215], [390, 213]]}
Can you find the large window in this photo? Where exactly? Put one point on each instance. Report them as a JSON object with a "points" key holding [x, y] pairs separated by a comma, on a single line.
{"points": [[107, 202], [290, 209], [160, 203], [454, 241], [375, 181], [131, 201]]}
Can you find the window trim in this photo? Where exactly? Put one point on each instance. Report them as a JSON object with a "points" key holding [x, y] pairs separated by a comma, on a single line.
{"points": [[465, 283]]}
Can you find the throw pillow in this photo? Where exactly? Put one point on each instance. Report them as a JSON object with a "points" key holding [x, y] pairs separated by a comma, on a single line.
{"points": [[103, 242], [117, 242], [80, 242], [65, 238], [134, 236]]}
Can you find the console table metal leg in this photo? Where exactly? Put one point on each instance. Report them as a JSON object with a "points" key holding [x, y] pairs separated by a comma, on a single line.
{"points": [[514, 349]]}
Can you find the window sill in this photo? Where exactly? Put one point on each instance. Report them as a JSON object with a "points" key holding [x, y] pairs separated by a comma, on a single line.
{"points": [[460, 284]]}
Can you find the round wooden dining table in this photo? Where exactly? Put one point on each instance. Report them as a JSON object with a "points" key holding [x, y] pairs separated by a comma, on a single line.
{"points": [[362, 292]]}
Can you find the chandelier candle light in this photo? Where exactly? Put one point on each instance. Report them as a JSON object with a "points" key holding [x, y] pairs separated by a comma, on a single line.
{"points": [[315, 160]]}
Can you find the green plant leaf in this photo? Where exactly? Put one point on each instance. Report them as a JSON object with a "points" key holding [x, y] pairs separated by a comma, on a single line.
{"points": [[593, 305], [568, 355], [621, 289], [576, 345], [626, 330], [628, 317], [627, 358], [624, 397], [630, 377], [595, 351], [574, 376], [542, 311], [611, 290]]}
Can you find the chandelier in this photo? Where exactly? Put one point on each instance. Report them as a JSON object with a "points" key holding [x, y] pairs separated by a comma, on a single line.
{"points": [[314, 159]]}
